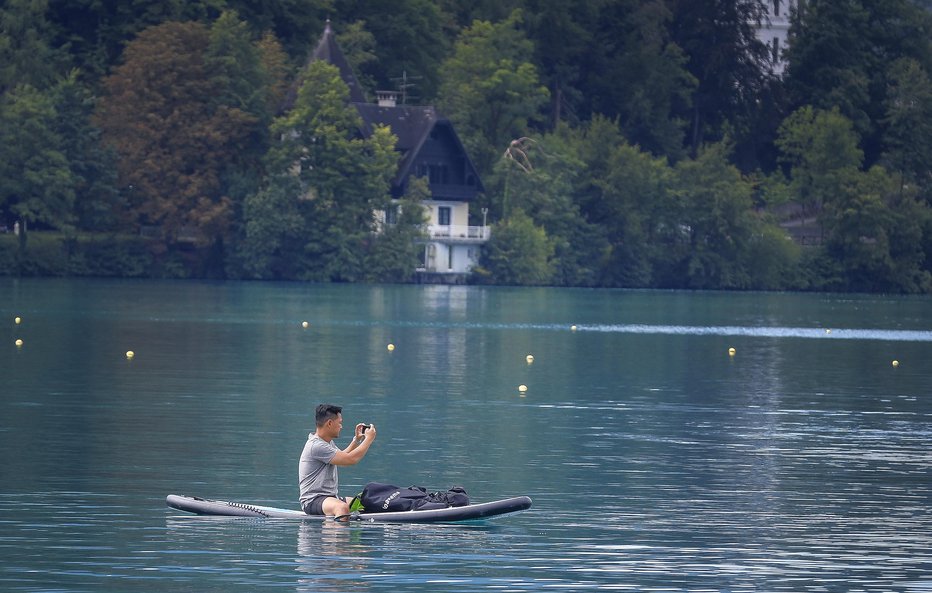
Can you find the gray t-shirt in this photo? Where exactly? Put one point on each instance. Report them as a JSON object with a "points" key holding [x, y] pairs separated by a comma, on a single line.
{"points": [[316, 475]]}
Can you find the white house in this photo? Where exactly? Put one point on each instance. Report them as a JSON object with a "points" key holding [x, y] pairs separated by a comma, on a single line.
{"points": [[429, 148]]}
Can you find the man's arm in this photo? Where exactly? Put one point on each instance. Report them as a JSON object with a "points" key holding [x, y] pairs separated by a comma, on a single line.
{"points": [[357, 449]]}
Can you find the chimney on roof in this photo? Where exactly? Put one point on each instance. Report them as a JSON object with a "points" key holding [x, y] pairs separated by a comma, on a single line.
{"points": [[387, 98]]}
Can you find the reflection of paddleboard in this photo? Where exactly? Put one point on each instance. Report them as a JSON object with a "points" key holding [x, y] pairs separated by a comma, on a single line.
{"points": [[203, 506]]}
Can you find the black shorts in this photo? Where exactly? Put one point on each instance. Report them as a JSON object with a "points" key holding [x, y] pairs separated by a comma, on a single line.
{"points": [[316, 505]]}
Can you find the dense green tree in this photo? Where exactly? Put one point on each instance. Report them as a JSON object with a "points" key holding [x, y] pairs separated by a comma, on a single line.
{"points": [[292, 21], [726, 59], [26, 54], [409, 39], [716, 223], [541, 177], [519, 252], [92, 166], [632, 42], [36, 183], [490, 88], [842, 51], [909, 125], [874, 235], [562, 33], [821, 149], [274, 230], [343, 179], [95, 32]]}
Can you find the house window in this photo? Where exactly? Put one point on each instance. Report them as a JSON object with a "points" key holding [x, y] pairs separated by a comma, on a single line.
{"points": [[776, 50], [391, 215], [443, 216], [450, 258], [776, 7]]}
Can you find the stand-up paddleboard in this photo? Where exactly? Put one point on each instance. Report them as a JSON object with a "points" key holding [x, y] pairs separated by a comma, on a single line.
{"points": [[472, 512]]}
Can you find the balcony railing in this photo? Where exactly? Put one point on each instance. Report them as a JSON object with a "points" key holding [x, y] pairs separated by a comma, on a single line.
{"points": [[459, 232]]}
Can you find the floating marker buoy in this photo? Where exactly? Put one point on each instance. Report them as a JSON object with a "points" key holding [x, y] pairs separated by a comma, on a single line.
{"points": [[304, 324], [731, 352], [572, 328], [530, 358], [19, 343], [17, 320], [390, 347], [828, 331], [522, 388], [896, 363], [130, 354]]}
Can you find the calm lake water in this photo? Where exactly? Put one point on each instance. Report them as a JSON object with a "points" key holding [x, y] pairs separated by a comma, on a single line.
{"points": [[656, 461]]}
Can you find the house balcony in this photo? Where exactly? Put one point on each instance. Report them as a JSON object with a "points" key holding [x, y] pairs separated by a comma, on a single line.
{"points": [[456, 233]]}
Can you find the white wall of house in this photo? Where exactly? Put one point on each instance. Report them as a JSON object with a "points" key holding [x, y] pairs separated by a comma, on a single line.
{"points": [[774, 31], [450, 258], [458, 212]]}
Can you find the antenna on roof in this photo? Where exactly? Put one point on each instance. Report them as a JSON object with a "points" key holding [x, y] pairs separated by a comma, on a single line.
{"points": [[403, 86]]}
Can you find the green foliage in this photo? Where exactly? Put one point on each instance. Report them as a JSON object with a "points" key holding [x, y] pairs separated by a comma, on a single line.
{"points": [[397, 249], [842, 53], [519, 252], [821, 148], [93, 167], [632, 42], [726, 59], [541, 177], [491, 88], [340, 180], [414, 30], [715, 221], [26, 56], [909, 124], [36, 184]]}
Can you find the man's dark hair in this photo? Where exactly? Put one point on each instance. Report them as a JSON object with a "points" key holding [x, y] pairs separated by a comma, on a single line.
{"points": [[326, 412]]}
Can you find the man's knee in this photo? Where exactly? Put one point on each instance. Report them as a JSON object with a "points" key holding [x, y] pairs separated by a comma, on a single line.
{"points": [[335, 507]]}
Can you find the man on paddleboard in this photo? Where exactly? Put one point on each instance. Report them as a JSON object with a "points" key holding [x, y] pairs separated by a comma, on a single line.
{"points": [[317, 471]]}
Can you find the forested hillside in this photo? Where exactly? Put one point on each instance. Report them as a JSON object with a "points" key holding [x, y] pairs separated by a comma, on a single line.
{"points": [[622, 143]]}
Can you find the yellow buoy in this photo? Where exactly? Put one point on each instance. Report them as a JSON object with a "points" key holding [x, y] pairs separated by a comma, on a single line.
{"points": [[304, 324], [390, 347], [896, 363], [731, 352], [17, 320], [522, 388], [130, 354], [19, 343], [530, 358]]}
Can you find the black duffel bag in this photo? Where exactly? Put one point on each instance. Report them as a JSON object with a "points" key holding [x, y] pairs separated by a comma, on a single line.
{"points": [[377, 497]]}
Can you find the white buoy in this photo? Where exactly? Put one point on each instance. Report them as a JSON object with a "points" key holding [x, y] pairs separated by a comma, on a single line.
{"points": [[130, 354], [304, 324], [572, 328], [731, 351], [530, 358], [17, 320], [19, 343], [391, 347], [522, 388], [896, 363]]}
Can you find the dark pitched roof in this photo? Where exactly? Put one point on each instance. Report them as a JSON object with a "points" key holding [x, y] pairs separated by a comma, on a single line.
{"points": [[412, 125], [328, 51]]}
